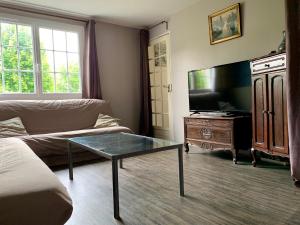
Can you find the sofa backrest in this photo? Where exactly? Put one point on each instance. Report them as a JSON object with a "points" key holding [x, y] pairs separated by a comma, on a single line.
{"points": [[48, 116]]}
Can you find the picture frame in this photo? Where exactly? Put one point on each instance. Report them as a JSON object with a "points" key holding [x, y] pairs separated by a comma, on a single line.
{"points": [[225, 24]]}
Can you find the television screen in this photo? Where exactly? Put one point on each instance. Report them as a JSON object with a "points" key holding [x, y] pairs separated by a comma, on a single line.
{"points": [[225, 88]]}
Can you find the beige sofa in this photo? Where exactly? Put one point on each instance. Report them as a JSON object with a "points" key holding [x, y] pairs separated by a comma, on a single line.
{"points": [[48, 123], [30, 194]]}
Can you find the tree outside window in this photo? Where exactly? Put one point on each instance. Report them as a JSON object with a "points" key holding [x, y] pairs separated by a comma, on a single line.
{"points": [[59, 59]]}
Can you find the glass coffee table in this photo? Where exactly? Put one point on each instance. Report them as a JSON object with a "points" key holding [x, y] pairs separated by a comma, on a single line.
{"points": [[118, 146]]}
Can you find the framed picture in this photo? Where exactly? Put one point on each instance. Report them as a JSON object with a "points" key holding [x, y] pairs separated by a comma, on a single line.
{"points": [[225, 24]]}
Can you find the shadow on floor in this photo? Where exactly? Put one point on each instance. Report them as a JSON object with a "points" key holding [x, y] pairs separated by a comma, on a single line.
{"points": [[245, 158]]}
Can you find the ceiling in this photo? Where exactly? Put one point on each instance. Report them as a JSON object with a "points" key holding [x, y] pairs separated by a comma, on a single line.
{"points": [[132, 13]]}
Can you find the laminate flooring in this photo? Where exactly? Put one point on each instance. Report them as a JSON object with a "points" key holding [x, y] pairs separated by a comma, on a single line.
{"points": [[217, 191]]}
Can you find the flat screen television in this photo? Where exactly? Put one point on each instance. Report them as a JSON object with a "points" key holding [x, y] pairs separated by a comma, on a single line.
{"points": [[224, 88]]}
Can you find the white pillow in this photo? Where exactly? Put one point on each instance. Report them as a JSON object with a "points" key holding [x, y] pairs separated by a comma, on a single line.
{"points": [[106, 121], [12, 128]]}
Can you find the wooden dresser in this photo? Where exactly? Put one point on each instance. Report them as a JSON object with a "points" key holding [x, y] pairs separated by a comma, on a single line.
{"points": [[218, 133], [269, 106]]}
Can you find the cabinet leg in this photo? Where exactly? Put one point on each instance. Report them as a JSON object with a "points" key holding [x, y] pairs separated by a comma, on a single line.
{"points": [[253, 153], [187, 148], [297, 183], [235, 155]]}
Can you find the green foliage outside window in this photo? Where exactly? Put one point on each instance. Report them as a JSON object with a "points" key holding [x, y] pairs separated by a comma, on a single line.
{"points": [[17, 70]]}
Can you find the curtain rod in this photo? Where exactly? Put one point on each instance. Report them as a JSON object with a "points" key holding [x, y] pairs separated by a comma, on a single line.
{"points": [[41, 12], [162, 22]]}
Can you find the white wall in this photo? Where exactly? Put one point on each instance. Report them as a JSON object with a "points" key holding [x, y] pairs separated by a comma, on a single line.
{"points": [[118, 55], [262, 24]]}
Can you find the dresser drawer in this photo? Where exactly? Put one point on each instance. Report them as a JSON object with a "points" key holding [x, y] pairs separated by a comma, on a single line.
{"points": [[209, 145], [269, 64], [209, 134], [209, 122]]}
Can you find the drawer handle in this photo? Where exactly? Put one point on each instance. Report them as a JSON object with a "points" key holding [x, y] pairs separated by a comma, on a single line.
{"points": [[267, 65]]}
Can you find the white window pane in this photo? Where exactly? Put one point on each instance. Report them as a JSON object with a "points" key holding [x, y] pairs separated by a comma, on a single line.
{"points": [[1, 87], [158, 79], [166, 121], [165, 93], [158, 93], [151, 66], [59, 39], [153, 106], [48, 82], [24, 36], [163, 61], [153, 119], [11, 82], [74, 83], [152, 79], [46, 41], [60, 59], [61, 83], [27, 83], [156, 50], [10, 57], [26, 59], [0, 58], [165, 107], [150, 52], [9, 34], [73, 62], [159, 119], [158, 107], [72, 42], [164, 75], [163, 48], [157, 62], [152, 93], [47, 61]]}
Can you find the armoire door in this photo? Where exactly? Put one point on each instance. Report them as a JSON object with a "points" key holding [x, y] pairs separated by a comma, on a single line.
{"points": [[259, 111], [278, 131]]}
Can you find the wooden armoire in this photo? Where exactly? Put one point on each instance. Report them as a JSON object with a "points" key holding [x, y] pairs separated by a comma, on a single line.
{"points": [[269, 106]]}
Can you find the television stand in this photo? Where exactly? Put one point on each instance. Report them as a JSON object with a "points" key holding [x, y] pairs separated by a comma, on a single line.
{"points": [[218, 133]]}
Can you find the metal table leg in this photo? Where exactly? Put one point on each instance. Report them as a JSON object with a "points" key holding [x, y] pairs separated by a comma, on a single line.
{"points": [[70, 161], [180, 164], [115, 188]]}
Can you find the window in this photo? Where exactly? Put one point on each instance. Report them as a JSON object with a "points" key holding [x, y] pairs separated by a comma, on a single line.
{"points": [[60, 61], [39, 59], [17, 72]]}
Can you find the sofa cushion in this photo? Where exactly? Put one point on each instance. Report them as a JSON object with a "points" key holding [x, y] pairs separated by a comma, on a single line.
{"points": [[55, 144], [29, 189], [12, 128], [106, 121], [40, 117]]}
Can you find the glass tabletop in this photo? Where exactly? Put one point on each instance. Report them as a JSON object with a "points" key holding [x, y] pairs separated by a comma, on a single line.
{"points": [[122, 145]]}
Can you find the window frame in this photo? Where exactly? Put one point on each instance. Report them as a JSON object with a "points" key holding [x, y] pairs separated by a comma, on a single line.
{"points": [[35, 24]]}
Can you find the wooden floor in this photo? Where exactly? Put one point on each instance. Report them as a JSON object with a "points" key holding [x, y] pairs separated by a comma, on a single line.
{"points": [[217, 192]]}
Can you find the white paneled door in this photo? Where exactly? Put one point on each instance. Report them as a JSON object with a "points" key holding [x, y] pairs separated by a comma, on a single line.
{"points": [[161, 88]]}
